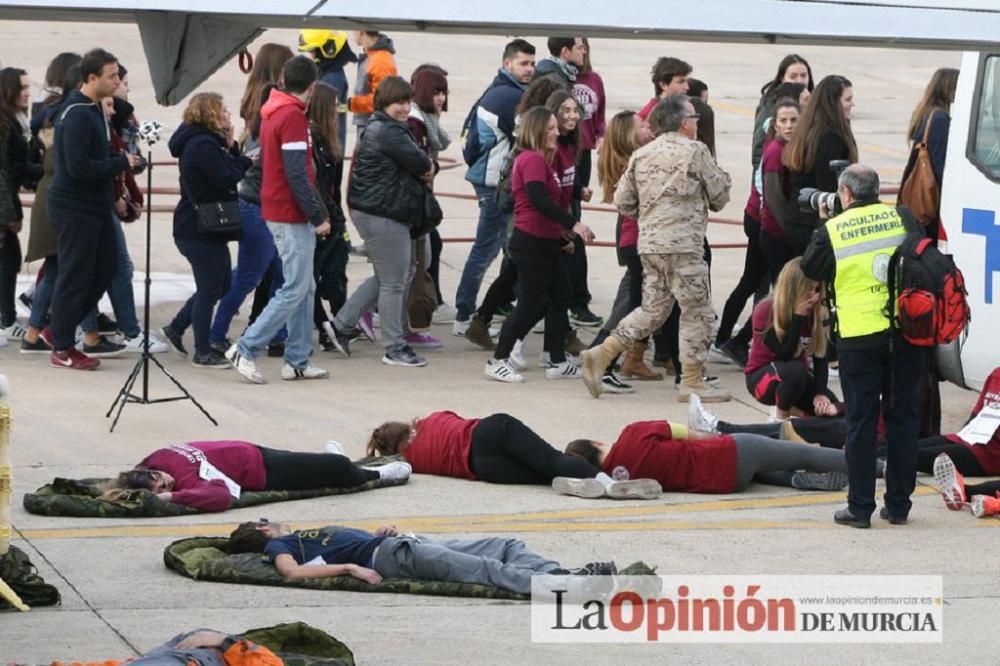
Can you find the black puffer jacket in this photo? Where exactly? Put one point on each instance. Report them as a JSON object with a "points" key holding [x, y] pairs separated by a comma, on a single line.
{"points": [[386, 170]]}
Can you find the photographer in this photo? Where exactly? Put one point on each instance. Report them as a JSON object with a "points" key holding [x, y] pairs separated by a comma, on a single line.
{"points": [[852, 252]]}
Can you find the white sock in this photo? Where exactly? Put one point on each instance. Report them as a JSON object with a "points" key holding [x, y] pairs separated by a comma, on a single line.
{"points": [[604, 479]]}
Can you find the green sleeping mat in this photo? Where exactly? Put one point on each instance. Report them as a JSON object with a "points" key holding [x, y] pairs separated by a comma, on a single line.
{"points": [[299, 644], [80, 498], [205, 558]]}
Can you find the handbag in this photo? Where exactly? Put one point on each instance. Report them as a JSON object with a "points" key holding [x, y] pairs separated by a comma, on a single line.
{"points": [[921, 192], [432, 214], [215, 218]]}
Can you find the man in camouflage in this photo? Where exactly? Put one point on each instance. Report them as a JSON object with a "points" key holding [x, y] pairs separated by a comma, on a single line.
{"points": [[341, 551], [669, 186]]}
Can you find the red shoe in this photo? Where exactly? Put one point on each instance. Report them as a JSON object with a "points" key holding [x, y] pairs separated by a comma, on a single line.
{"points": [[73, 359], [46, 335], [951, 485], [983, 506]]}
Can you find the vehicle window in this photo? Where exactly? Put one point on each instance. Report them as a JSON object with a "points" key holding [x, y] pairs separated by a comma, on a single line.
{"points": [[986, 144]]}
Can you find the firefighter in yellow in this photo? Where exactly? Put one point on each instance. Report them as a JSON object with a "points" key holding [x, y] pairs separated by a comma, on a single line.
{"points": [[879, 371]]}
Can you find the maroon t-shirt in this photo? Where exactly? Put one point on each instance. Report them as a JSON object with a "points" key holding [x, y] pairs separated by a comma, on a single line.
{"points": [[771, 163], [760, 353], [441, 445], [565, 166], [530, 166], [987, 454], [646, 450], [240, 461], [648, 109], [629, 236]]}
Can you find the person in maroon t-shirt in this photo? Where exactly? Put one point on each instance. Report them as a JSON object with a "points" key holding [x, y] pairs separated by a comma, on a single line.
{"points": [[696, 462], [498, 448], [788, 329], [210, 475]]}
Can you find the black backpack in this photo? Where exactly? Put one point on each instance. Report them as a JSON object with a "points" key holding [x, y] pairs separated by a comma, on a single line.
{"points": [[504, 195], [20, 574]]}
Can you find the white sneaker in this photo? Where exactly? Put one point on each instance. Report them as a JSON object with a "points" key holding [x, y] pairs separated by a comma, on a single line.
{"points": [[134, 345], [288, 373], [564, 370], [394, 471], [333, 447], [245, 366], [545, 359], [585, 488], [517, 356], [502, 371], [444, 314], [13, 332], [3, 342], [644, 489], [459, 327], [715, 355], [699, 418]]}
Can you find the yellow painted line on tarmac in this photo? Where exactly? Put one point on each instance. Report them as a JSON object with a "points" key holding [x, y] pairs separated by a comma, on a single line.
{"points": [[555, 521], [738, 109]]}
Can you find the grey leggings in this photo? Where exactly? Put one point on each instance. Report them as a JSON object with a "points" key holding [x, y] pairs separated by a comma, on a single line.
{"points": [[773, 461]]}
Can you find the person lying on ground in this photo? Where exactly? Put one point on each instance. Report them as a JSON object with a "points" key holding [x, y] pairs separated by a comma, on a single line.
{"points": [[202, 647], [696, 462], [342, 551], [210, 475], [983, 499], [497, 448]]}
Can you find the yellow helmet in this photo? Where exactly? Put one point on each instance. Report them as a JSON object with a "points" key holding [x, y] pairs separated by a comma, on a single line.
{"points": [[329, 42]]}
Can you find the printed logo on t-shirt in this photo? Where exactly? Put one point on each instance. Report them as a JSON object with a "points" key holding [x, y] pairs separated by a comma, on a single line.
{"points": [[587, 99]]}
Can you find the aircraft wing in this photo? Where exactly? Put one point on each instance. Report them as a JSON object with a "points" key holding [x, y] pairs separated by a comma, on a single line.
{"points": [[186, 41]]}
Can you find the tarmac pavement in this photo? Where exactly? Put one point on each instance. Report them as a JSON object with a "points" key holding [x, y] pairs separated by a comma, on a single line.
{"points": [[118, 599]]}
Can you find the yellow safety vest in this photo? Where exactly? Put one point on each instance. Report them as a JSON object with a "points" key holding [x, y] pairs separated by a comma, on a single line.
{"points": [[863, 241]]}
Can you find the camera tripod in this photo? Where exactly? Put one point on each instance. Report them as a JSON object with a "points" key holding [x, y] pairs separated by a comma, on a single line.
{"points": [[125, 395]]}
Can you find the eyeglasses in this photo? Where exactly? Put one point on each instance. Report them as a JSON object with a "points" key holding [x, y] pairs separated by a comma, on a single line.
{"points": [[695, 116]]}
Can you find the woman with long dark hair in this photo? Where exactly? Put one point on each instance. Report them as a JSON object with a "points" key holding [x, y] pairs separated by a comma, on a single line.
{"points": [[793, 68], [775, 184], [266, 70], [823, 135]]}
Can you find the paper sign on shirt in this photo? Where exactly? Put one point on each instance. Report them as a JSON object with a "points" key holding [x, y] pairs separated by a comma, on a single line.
{"points": [[210, 472], [981, 429]]}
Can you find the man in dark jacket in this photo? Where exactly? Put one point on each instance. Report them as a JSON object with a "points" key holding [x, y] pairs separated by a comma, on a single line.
{"points": [[566, 56], [295, 217], [879, 370], [80, 202], [489, 134]]}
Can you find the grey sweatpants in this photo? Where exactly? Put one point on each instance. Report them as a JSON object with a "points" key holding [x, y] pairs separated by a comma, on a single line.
{"points": [[498, 561], [389, 248], [773, 461]]}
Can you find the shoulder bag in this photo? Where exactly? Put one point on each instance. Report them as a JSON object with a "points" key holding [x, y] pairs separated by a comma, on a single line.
{"points": [[921, 192], [214, 217]]}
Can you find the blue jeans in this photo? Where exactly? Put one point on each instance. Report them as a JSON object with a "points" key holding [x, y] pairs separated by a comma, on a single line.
{"points": [[874, 379], [120, 292], [42, 299], [256, 254], [490, 235], [293, 303], [212, 270]]}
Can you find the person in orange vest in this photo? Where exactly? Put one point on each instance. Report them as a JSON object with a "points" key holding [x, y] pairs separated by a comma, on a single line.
{"points": [[376, 63]]}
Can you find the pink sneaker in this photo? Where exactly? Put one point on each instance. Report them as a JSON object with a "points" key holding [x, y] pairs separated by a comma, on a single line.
{"points": [[367, 326], [423, 340]]}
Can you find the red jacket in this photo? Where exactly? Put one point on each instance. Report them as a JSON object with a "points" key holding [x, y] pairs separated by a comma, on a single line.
{"points": [[240, 461], [441, 445], [647, 450], [287, 174]]}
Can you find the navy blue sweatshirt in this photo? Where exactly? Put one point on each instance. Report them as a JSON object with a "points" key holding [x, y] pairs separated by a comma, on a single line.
{"points": [[84, 166]]}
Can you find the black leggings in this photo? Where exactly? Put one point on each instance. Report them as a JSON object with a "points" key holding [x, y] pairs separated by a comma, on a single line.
{"points": [[504, 450], [830, 432], [777, 252], [291, 470], [434, 269], [786, 384], [754, 272], [501, 291], [931, 447]]}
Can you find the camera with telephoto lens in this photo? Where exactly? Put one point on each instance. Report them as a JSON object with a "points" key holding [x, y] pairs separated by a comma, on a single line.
{"points": [[811, 199]]}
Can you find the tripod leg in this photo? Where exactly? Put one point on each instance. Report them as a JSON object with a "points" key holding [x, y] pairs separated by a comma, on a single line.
{"points": [[183, 390], [125, 390]]}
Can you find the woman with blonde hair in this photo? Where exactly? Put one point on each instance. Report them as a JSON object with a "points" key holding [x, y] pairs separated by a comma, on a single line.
{"points": [[210, 167], [625, 133], [789, 329]]}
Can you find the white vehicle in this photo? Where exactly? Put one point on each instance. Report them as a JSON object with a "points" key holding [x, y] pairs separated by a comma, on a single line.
{"points": [[185, 41]]}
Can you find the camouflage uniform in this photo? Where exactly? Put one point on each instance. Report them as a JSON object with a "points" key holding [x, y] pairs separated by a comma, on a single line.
{"points": [[669, 186]]}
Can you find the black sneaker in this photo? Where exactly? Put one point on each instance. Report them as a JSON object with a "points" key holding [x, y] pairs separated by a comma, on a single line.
{"points": [[341, 341], [276, 349], [582, 316], [25, 299], [596, 569], [893, 520], [106, 325], [39, 346], [735, 351], [212, 360], [403, 356], [174, 339], [845, 517], [103, 349], [221, 345], [326, 342], [612, 384]]}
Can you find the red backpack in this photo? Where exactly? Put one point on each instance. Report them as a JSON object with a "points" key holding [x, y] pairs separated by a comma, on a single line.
{"points": [[927, 296]]}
